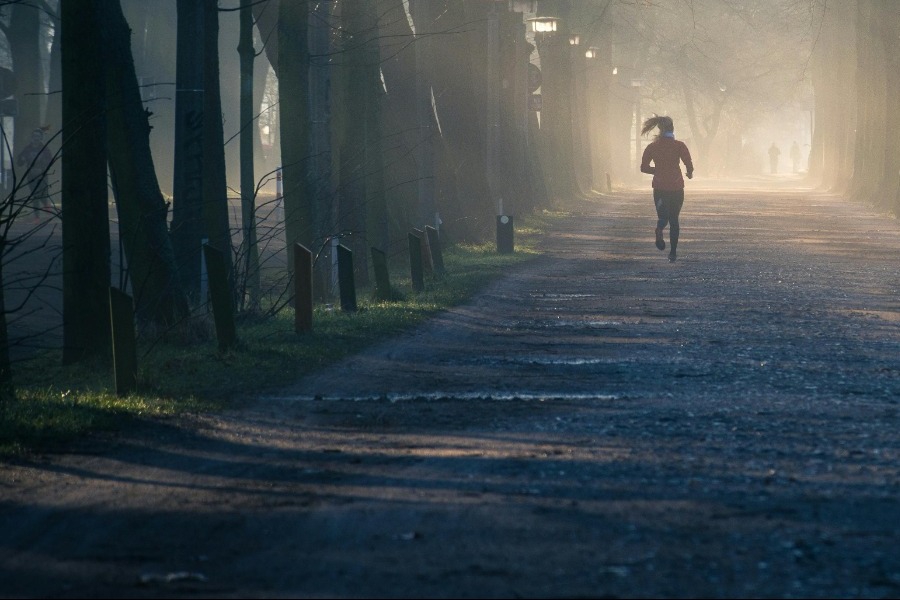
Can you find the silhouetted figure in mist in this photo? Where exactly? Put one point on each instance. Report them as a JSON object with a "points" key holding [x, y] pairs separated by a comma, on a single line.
{"points": [[774, 153], [666, 153], [35, 159], [795, 156]]}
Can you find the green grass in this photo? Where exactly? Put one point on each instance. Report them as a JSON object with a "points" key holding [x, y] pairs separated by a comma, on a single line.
{"points": [[54, 405]]}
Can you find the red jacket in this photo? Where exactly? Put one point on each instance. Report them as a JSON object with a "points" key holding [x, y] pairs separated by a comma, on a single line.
{"points": [[666, 152]]}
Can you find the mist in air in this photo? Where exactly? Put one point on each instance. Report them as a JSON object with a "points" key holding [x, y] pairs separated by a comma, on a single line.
{"points": [[735, 79]]}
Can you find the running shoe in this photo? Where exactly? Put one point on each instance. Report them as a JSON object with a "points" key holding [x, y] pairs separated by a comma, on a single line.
{"points": [[660, 242]]}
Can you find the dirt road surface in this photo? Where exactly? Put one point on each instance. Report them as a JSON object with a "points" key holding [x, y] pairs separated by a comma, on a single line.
{"points": [[600, 423]]}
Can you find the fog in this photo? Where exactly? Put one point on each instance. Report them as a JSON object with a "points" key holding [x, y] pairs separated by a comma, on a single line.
{"points": [[484, 108], [451, 113], [734, 78]]}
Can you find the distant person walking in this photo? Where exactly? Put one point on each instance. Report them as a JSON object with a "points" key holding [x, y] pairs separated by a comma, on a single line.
{"points": [[795, 156], [666, 153], [35, 160], [774, 153]]}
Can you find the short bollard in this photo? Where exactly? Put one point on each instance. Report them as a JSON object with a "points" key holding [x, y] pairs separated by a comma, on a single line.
{"points": [[505, 233], [434, 244], [220, 297], [303, 288], [415, 263], [345, 278], [382, 280], [121, 315]]}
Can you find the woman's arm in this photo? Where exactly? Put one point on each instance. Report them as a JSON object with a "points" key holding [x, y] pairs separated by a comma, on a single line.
{"points": [[686, 157], [645, 163]]}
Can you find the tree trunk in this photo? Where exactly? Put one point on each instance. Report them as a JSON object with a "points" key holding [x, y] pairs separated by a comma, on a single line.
{"points": [[248, 179], [293, 80], [704, 134], [600, 83], [85, 214], [266, 14], [187, 213], [377, 223], [354, 169], [513, 82], [556, 114], [871, 92], [423, 13], [321, 170], [465, 198], [890, 32], [141, 208], [217, 228], [401, 170]]}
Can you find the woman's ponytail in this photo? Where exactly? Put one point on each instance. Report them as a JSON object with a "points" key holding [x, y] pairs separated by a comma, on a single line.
{"points": [[665, 124]]}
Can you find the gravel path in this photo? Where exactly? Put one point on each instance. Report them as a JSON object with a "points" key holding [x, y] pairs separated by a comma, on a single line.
{"points": [[601, 423]]}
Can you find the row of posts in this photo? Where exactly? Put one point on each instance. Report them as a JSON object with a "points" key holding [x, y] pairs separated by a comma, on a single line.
{"points": [[425, 258], [121, 314]]}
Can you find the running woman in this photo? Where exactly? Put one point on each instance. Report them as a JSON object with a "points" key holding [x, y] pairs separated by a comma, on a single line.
{"points": [[666, 153]]}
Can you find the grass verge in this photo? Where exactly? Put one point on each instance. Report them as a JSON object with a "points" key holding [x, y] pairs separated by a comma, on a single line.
{"points": [[54, 405]]}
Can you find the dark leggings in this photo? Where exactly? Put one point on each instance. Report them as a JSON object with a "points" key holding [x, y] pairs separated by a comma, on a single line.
{"points": [[668, 206]]}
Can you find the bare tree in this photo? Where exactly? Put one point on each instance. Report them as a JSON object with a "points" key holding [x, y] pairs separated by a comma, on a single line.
{"points": [[216, 220], [85, 216], [248, 180], [142, 211], [293, 79], [187, 192]]}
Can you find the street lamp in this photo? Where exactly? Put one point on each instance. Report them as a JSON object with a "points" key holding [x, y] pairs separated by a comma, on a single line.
{"points": [[592, 52], [574, 39], [543, 25]]}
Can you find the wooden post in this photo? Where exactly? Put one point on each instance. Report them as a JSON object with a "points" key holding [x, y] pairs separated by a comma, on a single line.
{"points": [[434, 244], [345, 278], [427, 264], [121, 316], [382, 280], [415, 262], [220, 297], [303, 288]]}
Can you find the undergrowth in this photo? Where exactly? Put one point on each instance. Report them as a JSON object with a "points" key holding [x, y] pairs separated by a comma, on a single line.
{"points": [[53, 405]]}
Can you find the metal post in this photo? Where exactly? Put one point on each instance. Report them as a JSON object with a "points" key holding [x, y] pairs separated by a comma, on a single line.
{"points": [[121, 315], [434, 245], [427, 264], [303, 288], [204, 277], [220, 297], [505, 234], [382, 279], [415, 262], [335, 242], [345, 275]]}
